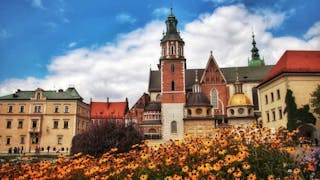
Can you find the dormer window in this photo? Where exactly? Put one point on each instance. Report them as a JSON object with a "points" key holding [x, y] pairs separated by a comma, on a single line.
{"points": [[38, 95]]}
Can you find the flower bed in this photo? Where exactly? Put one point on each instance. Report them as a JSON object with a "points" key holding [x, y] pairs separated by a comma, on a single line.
{"points": [[233, 153]]}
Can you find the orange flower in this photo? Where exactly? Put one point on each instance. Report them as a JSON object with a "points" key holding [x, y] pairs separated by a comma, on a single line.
{"points": [[251, 177], [290, 150], [223, 142], [246, 165], [296, 171], [217, 167], [237, 173], [194, 174], [271, 177], [229, 159], [168, 178], [151, 165], [144, 177], [177, 177], [230, 170], [185, 169], [211, 177]]}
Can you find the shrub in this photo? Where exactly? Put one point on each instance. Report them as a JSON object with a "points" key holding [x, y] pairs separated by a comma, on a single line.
{"points": [[101, 138]]}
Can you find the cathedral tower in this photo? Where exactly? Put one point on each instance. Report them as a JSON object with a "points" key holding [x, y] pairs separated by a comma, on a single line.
{"points": [[173, 93]]}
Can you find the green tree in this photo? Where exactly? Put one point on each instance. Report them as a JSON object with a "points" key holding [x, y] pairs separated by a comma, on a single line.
{"points": [[315, 100], [305, 116], [101, 138], [291, 110]]}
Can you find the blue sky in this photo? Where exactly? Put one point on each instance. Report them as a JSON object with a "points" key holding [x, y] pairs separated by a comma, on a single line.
{"points": [[55, 43]]}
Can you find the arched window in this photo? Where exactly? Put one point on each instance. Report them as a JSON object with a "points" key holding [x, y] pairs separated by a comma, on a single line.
{"points": [[214, 98], [152, 130], [172, 86], [38, 95], [172, 68], [158, 98], [174, 127], [172, 50]]}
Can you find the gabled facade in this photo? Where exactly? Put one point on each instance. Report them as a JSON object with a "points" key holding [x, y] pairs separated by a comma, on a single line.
{"points": [[104, 112], [41, 121], [172, 87]]}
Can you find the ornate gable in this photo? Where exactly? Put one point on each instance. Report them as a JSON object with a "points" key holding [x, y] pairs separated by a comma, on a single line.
{"points": [[212, 73]]}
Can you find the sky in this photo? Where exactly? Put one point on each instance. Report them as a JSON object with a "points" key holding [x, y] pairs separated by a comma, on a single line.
{"points": [[106, 48]]}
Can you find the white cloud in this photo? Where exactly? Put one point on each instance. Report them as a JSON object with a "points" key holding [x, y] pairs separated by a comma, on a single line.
{"points": [[121, 69], [72, 44], [125, 18], [37, 4], [161, 12], [313, 31], [4, 34]]}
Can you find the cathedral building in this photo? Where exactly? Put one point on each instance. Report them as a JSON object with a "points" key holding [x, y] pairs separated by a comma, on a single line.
{"points": [[192, 101]]}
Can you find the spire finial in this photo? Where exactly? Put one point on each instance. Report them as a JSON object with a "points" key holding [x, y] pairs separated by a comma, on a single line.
{"points": [[171, 12]]}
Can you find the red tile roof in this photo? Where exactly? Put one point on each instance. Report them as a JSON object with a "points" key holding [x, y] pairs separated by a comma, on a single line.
{"points": [[295, 61], [108, 109]]}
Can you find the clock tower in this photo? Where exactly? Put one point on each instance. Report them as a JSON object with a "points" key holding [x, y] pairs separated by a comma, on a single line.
{"points": [[172, 68]]}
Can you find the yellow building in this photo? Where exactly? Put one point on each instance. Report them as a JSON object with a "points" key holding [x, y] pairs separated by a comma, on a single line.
{"points": [[298, 71], [41, 121]]}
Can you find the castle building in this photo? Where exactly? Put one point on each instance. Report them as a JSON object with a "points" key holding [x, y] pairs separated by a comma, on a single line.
{"points": [[105, 112], [41, 121], [192, 101], [298, 71]]}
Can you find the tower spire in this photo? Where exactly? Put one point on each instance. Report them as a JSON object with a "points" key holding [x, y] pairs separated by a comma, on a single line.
{"points": [[237, 83], [255, 57]]}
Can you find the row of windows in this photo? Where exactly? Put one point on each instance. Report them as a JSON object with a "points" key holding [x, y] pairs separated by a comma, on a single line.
{"points": [[271, 116], [172, 51], [35, 124], [272, 96], [37, 109], [20, 123], [34, 140], [199, 112]]}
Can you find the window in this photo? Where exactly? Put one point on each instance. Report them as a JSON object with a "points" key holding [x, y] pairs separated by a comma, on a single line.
{"points": [[198, 111], [35, 139], [208, 112], [9, 123], [66, 109], [240, 110], [172, 68], [38, 95], [10, 109], [37, 109], [278, 93], [8, 141], [34, 123], [20, 124], [266, 99], [172, 50], [59, 139], [189, 112], [214, 98], [268, 116], [280, 113], [22, 139], [56, 109], [21, 109], [174, 127], [272, 97], [273, 115], [231, 111], [55, 124], [66, 124], [172, 86]]}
